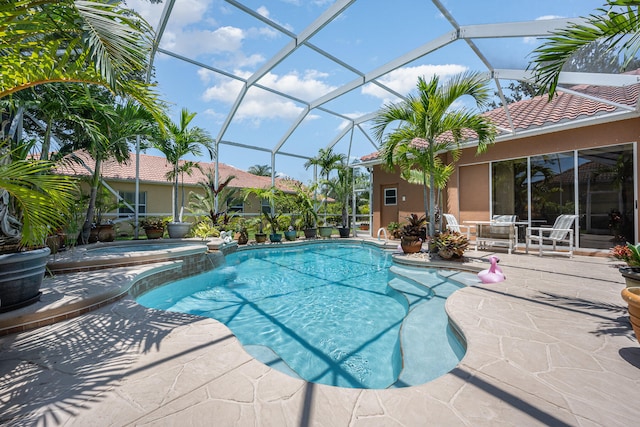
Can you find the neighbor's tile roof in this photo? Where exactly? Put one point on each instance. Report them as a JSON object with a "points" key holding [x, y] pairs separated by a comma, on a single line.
{"points": [[153, 169], [536, 112]]}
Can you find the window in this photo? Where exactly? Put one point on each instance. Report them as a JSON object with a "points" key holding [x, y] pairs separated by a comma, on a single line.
{"points": [[130, 197], [236, 205], [265, 206], [390, 196]]}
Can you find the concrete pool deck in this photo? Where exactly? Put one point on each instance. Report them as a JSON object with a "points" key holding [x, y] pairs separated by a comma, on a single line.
{"points": [[549, 346]]}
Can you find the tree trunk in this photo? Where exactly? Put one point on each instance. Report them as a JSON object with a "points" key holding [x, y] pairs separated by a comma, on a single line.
{"points": [[175, 194], [95, 182]]}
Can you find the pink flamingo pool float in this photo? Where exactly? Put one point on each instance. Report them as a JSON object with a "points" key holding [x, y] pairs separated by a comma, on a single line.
{"points": [[494, 273]]}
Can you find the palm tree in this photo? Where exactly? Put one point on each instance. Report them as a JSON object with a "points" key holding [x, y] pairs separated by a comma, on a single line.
{"points": [[112, 127], [187, 167], [179, 141], [70, 41], [260, 170], [327, 160], [616, 25], [43, 42], [429, 123]]}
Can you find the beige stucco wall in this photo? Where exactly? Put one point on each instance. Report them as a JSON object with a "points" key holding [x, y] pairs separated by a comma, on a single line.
{"points": [[467, 195]]}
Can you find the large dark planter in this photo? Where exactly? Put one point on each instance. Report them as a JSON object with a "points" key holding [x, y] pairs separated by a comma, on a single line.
{"points": [[310, 233], [290, 235], [261, 237], [178, 230], [325, 231], [344, 232], [21, 275], [410, 245]]}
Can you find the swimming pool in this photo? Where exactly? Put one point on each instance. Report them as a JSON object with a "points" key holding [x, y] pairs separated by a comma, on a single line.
{"points": [[328, 313]]}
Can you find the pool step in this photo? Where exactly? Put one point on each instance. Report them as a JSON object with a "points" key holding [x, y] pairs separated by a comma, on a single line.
{"points": [[428, 342]]}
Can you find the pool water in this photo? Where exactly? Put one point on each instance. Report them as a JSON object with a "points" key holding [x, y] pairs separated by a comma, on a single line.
{"points": [[325, 313]]}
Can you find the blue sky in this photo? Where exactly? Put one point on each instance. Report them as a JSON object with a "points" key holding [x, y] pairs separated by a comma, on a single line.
{"points": [[368, 35]]}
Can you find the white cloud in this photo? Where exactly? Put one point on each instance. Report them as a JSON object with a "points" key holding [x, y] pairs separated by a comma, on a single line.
{"points": [[403, 80], [196, 42], [259, 104]]}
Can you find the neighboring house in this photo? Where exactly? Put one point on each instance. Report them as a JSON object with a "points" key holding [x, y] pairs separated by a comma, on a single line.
{"points": [[156, 193], [574, 154]]}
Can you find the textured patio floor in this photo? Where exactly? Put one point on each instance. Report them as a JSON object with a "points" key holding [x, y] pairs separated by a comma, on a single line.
{"points": [[549, 346]]}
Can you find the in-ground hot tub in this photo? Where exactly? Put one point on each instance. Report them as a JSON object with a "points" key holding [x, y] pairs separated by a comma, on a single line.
{"points": [[122, 254]]}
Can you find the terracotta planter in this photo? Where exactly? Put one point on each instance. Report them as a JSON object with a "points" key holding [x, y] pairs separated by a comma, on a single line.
{"points": [[21, 275], [102, 233], [241, 238], [410, 245], [632, 297], [154, 233]]}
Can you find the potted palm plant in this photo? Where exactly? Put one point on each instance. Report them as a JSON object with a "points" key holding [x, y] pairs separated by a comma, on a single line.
{"points": [[273, 219], [179, 141]]}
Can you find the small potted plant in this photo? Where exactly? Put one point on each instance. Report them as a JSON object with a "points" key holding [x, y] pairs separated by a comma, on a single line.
{"points": [[273, 219], [153, 227], [290, 233], [257, 224], [242, 235], [413, 234], [394, 229], [449, 244]]}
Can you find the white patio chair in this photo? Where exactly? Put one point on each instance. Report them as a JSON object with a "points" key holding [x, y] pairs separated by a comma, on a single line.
{"points": [[452, 225], [501, 232], [560, 232]]}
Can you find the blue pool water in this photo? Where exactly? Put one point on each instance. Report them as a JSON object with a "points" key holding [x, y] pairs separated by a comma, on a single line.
{"points": [[329, 313]]}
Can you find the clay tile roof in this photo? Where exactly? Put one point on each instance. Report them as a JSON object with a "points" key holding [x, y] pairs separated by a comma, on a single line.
{"points": [[539, 111], [153, 169]]}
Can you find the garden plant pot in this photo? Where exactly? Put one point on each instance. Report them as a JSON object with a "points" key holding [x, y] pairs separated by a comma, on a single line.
{"points": [[261, 237], [178, 230], [21, 275], [632, 297], [631, 276], [275, 237], [344, 232], [325, 232], [154, 233], [310, 233], [290, 235], [241, 237], [410, 245], [102, 233]]}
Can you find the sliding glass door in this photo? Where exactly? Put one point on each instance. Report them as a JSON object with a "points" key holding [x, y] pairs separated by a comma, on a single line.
{"points": [[606, 200], [540, 188]]}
